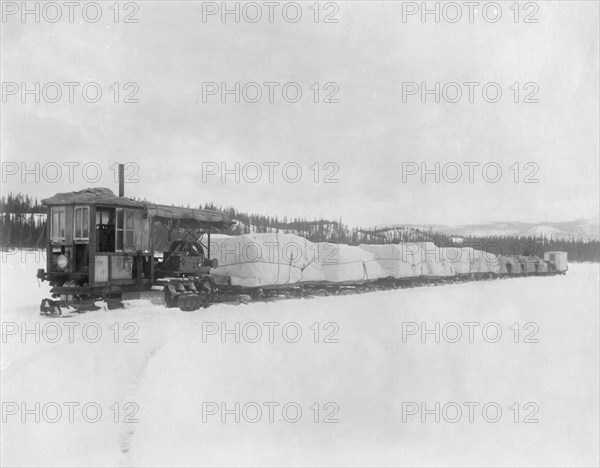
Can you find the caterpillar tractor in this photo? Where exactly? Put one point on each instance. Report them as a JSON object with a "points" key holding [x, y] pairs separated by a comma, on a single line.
{"points": [[116, 249]]}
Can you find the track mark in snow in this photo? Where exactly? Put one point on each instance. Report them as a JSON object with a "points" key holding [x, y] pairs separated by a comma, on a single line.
{"points": [[127, 430]]}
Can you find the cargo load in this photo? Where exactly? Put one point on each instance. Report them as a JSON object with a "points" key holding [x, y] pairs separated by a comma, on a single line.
{"points": [[342, 263], [486, 262], [270, 259], [395, 260], [431, 255], [542, 266], [510, 265], [529, 265], [461, 259], [413, 255]]}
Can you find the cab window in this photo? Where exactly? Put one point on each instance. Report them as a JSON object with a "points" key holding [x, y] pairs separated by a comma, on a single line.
{"points": [[82, 224], [126, 229], [57, 224]]}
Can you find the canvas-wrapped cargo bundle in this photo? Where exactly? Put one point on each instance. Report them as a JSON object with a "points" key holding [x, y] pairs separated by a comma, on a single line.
{"points": [[271, 259], [542, 266], [486, 262], [431, 255], [342, 263], [394, 260], [529, 264], [412, 254], [461, 259], [510, 264]]}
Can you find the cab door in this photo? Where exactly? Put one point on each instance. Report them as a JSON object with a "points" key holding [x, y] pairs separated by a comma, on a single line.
{"points": [[81, 238]]}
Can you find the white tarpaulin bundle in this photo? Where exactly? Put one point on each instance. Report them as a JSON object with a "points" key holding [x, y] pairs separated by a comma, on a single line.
{"points": [[462, 259], [486, 262], [510, 264], [414, 256], [271, 259], [542, 266], [344, 263], [436, 265], [528, 264], [397, 260]]}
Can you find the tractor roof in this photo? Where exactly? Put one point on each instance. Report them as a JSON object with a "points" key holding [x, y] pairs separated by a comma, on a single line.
{"points": [[202, 217]]}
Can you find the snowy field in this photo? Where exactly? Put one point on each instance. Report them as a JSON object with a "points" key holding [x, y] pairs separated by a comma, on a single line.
{"points": [[147, 386]]}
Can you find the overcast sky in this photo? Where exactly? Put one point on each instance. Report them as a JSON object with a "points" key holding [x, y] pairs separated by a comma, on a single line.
{"points": [[368, 135]]}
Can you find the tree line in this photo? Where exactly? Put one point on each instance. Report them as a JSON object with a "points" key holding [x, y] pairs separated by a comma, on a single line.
{"points": [[23, 222]]}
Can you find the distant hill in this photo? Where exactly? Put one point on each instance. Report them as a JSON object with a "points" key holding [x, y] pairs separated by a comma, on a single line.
{"points": [[579, 229]]}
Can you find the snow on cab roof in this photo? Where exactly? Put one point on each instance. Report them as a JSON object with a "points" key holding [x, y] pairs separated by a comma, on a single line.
{"points": [[105, 196], [92, 196]]}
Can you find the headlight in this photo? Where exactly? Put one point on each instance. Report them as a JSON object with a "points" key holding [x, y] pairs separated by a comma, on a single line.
{"points": [[62, 262]]}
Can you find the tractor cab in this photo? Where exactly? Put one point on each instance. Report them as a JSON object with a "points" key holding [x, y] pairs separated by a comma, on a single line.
{"points": [[95, 240]]}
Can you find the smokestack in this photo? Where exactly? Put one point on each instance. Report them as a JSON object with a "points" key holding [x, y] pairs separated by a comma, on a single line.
{"points": [[121, 180]]}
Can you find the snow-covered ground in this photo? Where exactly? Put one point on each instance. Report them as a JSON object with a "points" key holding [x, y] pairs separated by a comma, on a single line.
{"points": [[361, 360]]}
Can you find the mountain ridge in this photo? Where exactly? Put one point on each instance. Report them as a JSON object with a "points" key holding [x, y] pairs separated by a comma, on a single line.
{"points": [[578, 229]]}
